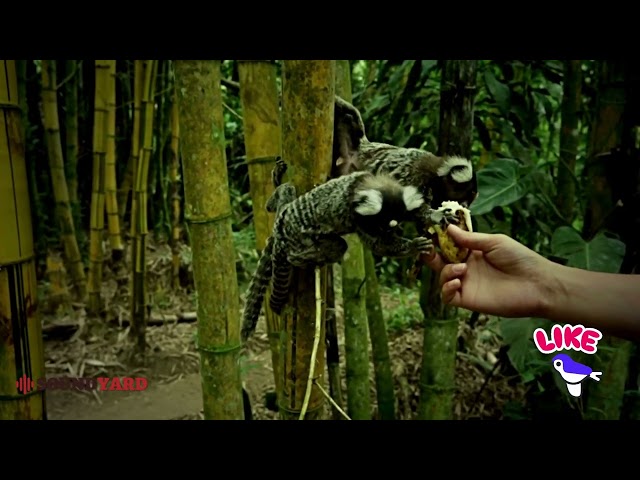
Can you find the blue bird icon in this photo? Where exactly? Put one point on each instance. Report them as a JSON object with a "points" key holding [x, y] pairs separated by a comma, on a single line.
{"points": [[573, 373]]}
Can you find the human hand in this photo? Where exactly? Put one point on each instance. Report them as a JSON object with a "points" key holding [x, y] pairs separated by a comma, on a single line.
{"points": [[500, 277]]}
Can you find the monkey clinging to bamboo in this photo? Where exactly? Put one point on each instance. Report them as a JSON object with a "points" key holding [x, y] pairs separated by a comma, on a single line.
{"points": [[308, 230]]}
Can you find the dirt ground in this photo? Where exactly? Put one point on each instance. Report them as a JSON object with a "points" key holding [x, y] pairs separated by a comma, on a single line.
{"points": [[76, 346]]}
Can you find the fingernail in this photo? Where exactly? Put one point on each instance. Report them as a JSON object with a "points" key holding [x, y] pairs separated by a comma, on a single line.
{"points": [[459, 267]]}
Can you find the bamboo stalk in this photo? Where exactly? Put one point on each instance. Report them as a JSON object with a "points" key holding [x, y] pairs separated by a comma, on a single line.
{"points": [[97, 194], [333, 348], [139, 222], [379, 342], [58, 177], [174, 178], [208, 212], [110, 184], [262, 136], [21, 345], [307, 122], [356, 335], [138, 85], [71, 127], [437, 380], [127, 179]]}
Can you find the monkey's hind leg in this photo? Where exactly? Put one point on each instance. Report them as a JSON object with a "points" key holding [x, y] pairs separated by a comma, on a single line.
{"points": [[318, 251]]}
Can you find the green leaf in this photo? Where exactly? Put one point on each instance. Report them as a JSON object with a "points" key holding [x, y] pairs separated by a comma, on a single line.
{"points": [[499, 91], [378, 102], [500, 183], [518, 334], [601, 254], [427, 65]]}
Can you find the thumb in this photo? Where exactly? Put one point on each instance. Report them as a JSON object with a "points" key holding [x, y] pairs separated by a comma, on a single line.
{"points": [[471, 240]]}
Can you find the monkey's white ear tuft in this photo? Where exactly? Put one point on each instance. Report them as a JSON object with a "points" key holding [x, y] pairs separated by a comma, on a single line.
{"points": [[412, 198], [371, 202], [463, 169]]}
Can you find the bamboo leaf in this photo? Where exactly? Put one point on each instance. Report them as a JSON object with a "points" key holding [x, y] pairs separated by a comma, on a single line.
{"points": [[601, 254], [500, 183], [499, 91]]}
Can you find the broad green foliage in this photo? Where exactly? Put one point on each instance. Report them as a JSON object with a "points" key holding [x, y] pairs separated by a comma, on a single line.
{"points": [[602, 254], [501, 183], [523, 354]]}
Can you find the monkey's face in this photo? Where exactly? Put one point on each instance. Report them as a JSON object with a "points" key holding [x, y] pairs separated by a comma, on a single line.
{"points": [[462, 192]]}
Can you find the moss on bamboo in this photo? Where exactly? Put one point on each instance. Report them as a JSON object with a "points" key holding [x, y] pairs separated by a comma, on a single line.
{"points": [[21, 346], [58, 177], [356, 333], [208, 212], [262, 134], [307, 132], [385, 393]]}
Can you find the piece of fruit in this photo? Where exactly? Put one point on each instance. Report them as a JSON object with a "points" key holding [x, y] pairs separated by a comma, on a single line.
{"points": [[449, 250]]}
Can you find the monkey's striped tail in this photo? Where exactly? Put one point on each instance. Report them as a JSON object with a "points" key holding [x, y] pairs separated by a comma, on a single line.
{"points": [[282, 271], [257, 288]]}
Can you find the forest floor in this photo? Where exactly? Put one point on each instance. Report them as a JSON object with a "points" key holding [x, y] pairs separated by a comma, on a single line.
{"points": [[77, 347]]}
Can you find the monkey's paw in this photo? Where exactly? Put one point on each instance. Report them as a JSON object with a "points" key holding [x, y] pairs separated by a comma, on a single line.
{"points": [[422, 245], [443, 217]]}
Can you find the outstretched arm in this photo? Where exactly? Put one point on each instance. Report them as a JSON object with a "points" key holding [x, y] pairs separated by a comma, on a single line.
{"points": [[396, 246], [609, 302], [505, 278]]}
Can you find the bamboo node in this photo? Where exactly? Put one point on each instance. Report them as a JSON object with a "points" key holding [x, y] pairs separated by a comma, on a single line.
{"points": [[8, 106], [257, 160], [438, 388], [441, 322], [201, 221], [320, 406], [218, 350]]}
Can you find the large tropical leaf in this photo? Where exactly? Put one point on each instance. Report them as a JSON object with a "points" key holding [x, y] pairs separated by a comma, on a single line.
{"points": [[517, 333], [500, 183], [601, 254]]}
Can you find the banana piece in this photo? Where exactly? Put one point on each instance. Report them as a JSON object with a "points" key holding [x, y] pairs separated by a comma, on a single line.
{"points": [[450, 252]]}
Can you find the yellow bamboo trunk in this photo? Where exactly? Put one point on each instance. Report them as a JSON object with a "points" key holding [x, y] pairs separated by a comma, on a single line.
{"points": [[138, 85], [58, 177], [262, 136], [97, 194], [129, 175], [174, 178], [308, 97], [21, 346], [139, 221], [110, 184], [71, 127], [208, 213]]}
